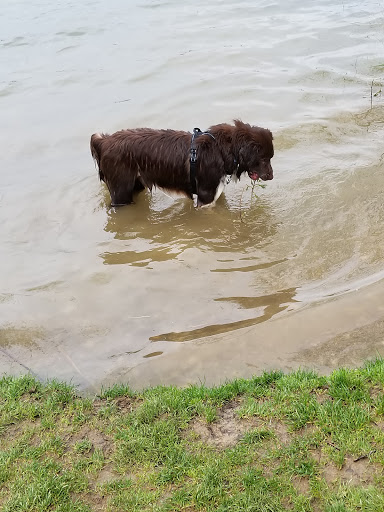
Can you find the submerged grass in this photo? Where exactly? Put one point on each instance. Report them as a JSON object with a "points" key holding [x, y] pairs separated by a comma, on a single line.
{"points": [[272, 443]]}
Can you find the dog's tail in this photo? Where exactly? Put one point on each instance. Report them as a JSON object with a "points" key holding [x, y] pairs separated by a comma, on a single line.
{"points": [[96, 139]]}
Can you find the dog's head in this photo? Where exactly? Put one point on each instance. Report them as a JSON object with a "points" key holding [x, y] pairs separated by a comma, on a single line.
{"points": [[254, 150]]}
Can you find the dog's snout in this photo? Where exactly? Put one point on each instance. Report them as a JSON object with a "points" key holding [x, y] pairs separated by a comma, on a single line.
{"points": [[268, 173]]}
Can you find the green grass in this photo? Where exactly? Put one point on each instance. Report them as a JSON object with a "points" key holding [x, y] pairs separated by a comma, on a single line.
{"points": [[276, 442]]}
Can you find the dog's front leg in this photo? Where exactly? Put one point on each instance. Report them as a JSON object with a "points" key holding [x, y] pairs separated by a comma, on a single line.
{"points": [[208, 195]]}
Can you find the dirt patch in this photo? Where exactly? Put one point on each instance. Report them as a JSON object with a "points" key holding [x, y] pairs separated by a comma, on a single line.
{"points": [[280, 430], [355, 472], [301, 484], [105, 475], [227, 430], [99, 440], [316, 505], [124, 404], [96, 502], [380, 424], [320, 396], [30, 396], [375, 392], [13, 431], [270, 467]]}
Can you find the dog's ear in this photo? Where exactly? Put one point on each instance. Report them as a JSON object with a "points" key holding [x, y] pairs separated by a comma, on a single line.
{"points": [[248, 154], [240, 125], [252, 131], [249, 149]]}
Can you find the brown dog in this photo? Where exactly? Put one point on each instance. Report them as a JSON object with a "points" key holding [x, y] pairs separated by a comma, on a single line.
{"points": [[177, 161]]}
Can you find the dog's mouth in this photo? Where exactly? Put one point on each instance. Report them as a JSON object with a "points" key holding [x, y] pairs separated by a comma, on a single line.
{"points": [[254, 176]]}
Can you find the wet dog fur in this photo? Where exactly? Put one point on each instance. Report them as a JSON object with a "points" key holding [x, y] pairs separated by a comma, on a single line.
{"points": [[134, 159]]}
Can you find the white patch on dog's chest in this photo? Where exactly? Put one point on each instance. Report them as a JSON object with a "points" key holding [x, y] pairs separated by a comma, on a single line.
{"points": [[174, 194], [219, 189]]}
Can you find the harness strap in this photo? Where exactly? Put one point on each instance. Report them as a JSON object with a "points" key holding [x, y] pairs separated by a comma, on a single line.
{"points": [[193, 160], [193, 157]]}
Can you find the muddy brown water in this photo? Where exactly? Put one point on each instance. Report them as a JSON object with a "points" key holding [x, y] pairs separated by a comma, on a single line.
{"points": [[159, 292]]}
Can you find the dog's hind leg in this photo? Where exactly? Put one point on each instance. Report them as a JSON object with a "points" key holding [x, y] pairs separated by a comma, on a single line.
{"points": [[121, 196], [122, 189]]}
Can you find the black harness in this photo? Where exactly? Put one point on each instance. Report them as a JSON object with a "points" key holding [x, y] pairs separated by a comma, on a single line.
{"points": [[193, 157]]}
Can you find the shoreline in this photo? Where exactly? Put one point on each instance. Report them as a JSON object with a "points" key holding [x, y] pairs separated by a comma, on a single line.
{"points": [[343, 331]]}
